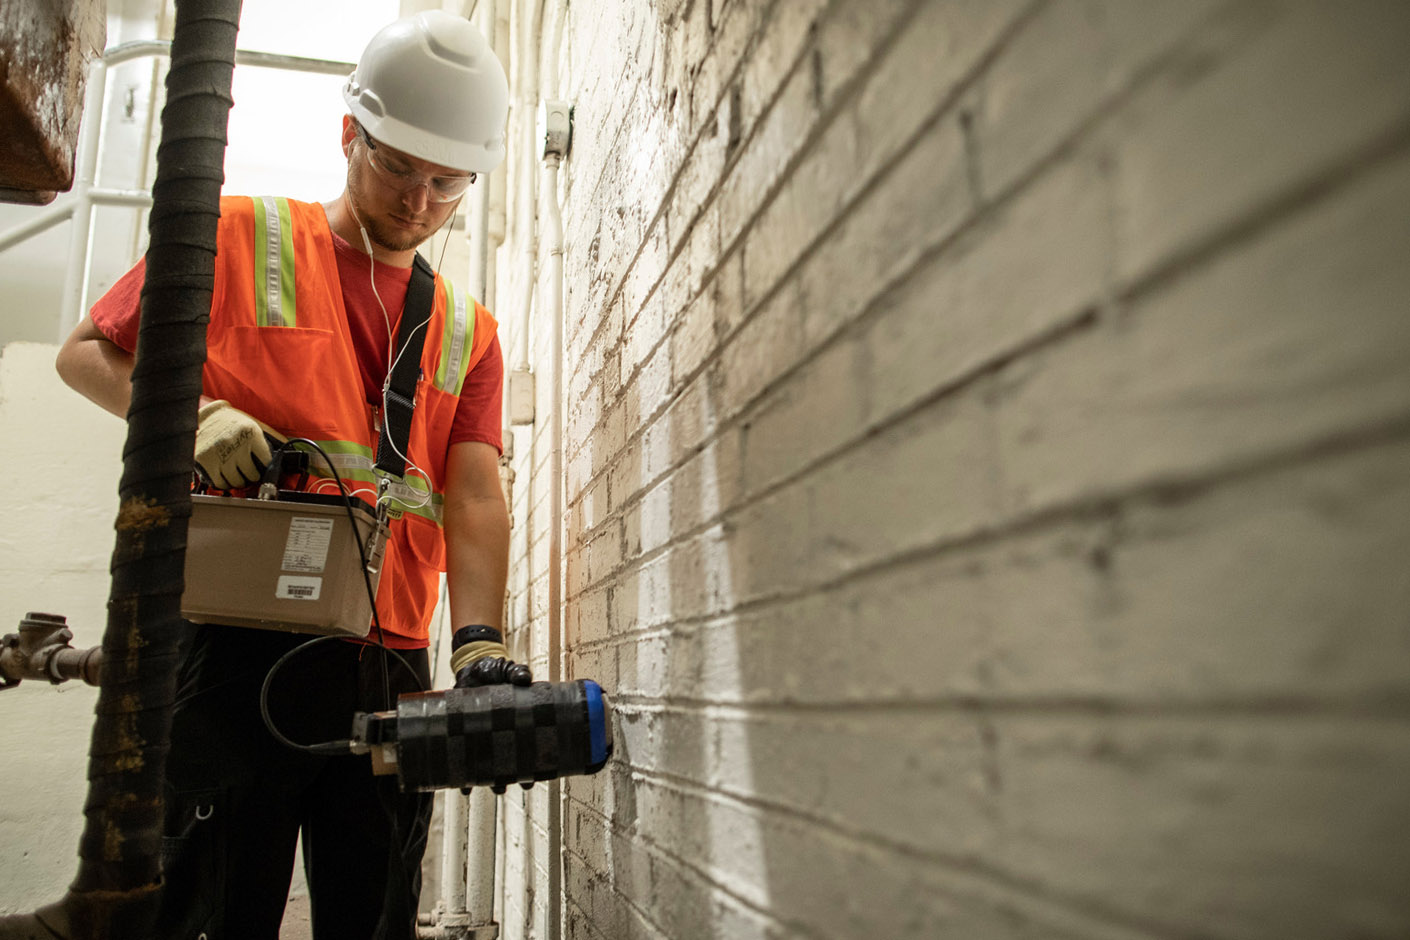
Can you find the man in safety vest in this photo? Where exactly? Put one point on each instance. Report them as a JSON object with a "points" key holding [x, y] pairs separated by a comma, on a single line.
{"points": [[307, 299]]}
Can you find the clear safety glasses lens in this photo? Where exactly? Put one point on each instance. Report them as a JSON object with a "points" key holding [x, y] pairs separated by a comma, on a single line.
{"points": [[402, 177]]}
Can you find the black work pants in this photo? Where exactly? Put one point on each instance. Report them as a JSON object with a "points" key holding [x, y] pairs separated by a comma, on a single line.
{"points": [[237, 799]]}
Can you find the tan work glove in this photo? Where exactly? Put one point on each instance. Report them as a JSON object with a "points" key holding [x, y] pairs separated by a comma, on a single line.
{"points": [[231, 446]]}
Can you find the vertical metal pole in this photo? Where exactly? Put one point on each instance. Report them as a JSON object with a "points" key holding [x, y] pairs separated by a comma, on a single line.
{"points": [[452, 912], [477, 824], [80, 236], [480, 859], [553, 234]]}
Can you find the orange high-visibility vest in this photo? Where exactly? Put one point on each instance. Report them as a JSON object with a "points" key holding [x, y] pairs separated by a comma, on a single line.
{"points": [[278, 348]]}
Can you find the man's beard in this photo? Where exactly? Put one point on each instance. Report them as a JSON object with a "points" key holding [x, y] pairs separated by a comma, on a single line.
{"points": [[389, 238], [383, 235]]}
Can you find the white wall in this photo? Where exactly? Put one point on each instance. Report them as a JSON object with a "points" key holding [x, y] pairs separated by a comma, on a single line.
{"points": [[60, 507]]}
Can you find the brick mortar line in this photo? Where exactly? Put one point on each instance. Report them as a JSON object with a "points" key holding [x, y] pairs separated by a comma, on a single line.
{"points": [[825, 119], [844, 96], [1078, 323], [1057, 334], [660, 850], [883, 171], [616, 137], [1305, 193], [587, 916], [617, 133], [710, 121], [969, 869], [1102, 113], [1391, 707], [1346, 443], [1294, 201]]}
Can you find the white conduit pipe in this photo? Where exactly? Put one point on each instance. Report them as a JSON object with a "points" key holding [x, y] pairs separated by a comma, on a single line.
{"points": [[468, 854], [527, 105], [468, 848], [456, 912], [553, 310], [452, 916], [498, 34], [477, 876], [80, 241], [40, 223]]}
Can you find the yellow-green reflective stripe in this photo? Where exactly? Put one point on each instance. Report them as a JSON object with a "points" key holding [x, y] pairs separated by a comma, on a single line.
{"points": [[355, 464], [457, 340], [345, 448], [286, 263], [274, 263]]}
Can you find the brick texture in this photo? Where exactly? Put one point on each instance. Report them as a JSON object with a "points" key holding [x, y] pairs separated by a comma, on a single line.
{"points": [[986, 458]]}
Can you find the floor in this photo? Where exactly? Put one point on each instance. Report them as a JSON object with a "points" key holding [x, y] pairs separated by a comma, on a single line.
{"points": [[296, 924]]}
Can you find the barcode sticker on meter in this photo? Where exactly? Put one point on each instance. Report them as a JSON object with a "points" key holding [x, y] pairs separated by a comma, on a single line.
{"points": [[298, 588], [307, 546]]}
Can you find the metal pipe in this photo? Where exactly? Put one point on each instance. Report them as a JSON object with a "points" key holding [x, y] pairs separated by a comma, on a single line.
{"points": [[127, 51], [553, 235], [477, 229], [555, 151], [480, 858], [524, 227], [475, 841], [80, 236], [466, 908], [452, 911], [41, 650], [498, 16], [293, 63], [126, 198], [40, 223]]}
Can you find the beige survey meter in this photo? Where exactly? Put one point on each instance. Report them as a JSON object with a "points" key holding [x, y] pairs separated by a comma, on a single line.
{"points": [[290, 563]]}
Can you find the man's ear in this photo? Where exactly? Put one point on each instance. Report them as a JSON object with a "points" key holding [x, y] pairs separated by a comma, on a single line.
{"points": [[349, 135]]}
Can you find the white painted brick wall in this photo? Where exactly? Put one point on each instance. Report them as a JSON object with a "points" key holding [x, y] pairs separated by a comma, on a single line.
{"points": [[988, 434]]}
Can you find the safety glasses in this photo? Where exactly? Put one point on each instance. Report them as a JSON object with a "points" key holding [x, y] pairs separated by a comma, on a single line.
{"points": [[393, 170]]}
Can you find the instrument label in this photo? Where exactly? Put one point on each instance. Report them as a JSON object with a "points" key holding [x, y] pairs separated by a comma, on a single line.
{"points": [[298, 588], [307, 545]]}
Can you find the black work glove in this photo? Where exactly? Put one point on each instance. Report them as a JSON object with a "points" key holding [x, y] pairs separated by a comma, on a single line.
{"points": [[478, 657]]}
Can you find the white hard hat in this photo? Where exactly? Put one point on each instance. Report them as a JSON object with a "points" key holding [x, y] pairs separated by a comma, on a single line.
{"points": [[431, 86]]}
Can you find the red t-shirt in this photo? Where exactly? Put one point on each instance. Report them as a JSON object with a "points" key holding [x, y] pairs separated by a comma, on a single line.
{"points": [[477, 417]]}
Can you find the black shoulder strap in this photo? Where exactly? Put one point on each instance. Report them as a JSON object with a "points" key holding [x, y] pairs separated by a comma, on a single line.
{"points": [[400, 399]]}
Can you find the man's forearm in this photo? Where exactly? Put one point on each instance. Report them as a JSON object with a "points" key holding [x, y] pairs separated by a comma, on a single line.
{"points": [[477, 560]]}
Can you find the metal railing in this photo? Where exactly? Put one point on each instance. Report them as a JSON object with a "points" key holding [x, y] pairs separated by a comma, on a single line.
{"points": [[87, 196]]}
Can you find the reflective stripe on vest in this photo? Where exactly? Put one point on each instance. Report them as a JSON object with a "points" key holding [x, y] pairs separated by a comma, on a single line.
{"points": [[457, 341], [274, 263], [357, 467]]}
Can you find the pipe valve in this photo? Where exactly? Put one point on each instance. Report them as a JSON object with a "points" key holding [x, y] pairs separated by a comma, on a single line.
{"points": [[41, 650]]}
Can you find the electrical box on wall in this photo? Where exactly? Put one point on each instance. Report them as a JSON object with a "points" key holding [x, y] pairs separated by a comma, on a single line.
{"points": [[521, 396], [555, 126]]}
